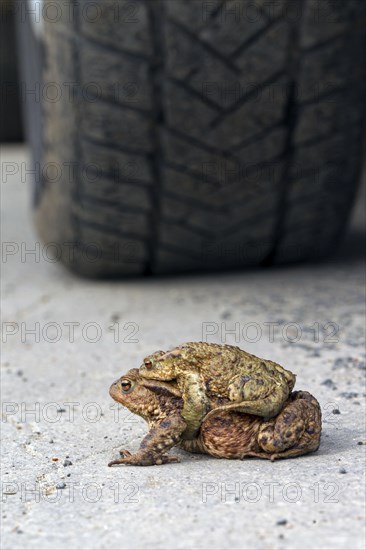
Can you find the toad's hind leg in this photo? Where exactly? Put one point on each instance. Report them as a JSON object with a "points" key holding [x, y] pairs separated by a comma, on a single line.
{"points": [[295, 431]]}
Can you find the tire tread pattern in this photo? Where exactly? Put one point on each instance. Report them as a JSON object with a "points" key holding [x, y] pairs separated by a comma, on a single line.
{"points": [[205, 142]]}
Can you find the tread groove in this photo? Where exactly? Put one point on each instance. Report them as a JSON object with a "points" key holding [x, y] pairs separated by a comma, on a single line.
{"points": [[112, 49], [256, 36], [107, 100], [190, 140], [119, 207], [324, 43], [277, 75], [113, 147], [195, 93], [321, 138], [111, 230], [217, 10], [114, 177], [197, 231], [291, 116], [156, 13], [195, 175], [322, 97], [180, 251], [258, 137], [205, 45]]}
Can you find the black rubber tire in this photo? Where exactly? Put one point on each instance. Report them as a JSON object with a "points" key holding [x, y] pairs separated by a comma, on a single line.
{"points": [[201, 135], [11, 122], [30, 57]]}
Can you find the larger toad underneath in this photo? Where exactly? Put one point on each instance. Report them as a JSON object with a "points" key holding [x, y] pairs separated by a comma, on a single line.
{"points": [[225, 434]]}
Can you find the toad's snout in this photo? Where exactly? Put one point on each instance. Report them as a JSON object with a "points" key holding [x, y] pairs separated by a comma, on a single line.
{"points": [[114, 390]]}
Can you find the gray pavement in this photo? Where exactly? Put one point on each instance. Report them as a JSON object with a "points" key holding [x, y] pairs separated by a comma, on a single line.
{"points": [[60, 427]]}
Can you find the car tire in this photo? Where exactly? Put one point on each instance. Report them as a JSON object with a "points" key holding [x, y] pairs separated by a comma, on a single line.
{"points": [[187, 135]]}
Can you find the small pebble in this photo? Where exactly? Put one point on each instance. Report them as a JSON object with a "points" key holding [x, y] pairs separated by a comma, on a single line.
{"points": [[281, 522], [348, 394], [336, 411], [359, 443], [61, 485], [342, 470], [61, 410], [225, 315], [329, 383], [67, 463]]}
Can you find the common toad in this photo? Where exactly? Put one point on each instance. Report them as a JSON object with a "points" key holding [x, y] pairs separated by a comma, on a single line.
{"points": [[223, 434]]}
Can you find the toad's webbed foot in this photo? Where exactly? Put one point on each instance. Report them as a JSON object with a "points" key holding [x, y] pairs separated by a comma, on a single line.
{"points": [[142, 459]]}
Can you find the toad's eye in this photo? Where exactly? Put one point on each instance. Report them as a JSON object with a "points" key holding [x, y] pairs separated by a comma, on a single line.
{"points": [[148, 364], [126, 385]]}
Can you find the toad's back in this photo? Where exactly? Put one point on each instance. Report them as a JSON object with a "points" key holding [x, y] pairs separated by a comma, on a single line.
{"points": [[218, 364]]}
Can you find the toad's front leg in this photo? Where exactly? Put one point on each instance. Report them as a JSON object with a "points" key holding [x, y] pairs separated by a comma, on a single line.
{"points": [[195, 404], [162, 437]]}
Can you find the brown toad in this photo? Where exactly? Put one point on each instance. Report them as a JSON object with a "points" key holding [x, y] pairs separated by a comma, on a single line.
{"points": [[225, 434], [204, 371]]}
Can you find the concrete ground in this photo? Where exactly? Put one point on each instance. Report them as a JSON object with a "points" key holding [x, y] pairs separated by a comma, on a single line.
{"points": [[60, 427]]}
